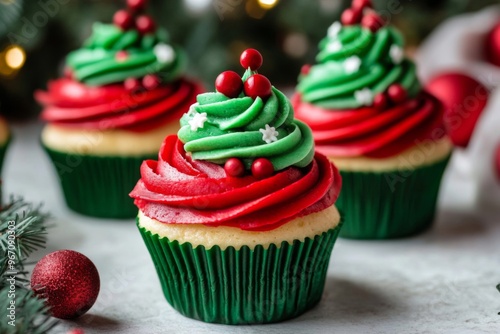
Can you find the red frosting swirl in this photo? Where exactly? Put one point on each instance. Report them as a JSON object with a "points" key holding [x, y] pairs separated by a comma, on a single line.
{"points": [[371, 132], [71, 103], [177, 189]]}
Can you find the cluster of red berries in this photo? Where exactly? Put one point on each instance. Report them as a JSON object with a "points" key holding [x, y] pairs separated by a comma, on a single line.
{"points": [[261, 168], [395, 94], [361, 12], [230, 84], [129, 18], [149, 82]]}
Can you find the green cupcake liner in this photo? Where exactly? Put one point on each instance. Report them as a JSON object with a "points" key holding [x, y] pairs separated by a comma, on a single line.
{"points": [[98, 186], [245, 286], [389, 205]]}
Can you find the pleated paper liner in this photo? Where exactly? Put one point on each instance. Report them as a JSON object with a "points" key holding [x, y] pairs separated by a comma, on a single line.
{"points": [[245, 286], [98, 186], [389, 205]]}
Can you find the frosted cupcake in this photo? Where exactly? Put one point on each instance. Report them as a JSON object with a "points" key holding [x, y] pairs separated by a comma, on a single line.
{"points": [[370, 116], [238, 211], [123, 93]]}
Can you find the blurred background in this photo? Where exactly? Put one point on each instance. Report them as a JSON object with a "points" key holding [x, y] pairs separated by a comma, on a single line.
{"points": [[35, 35]]}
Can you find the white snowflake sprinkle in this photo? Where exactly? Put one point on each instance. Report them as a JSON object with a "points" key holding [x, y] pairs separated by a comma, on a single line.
{"points": [[164, 53], [269, 134], [192, 110], [334, 29], [397, 54], [198, 121], [334, 46], [352, 64], [364, 96]]}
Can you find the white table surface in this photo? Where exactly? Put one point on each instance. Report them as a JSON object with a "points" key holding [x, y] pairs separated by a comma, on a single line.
{"points": [[442, 281]]}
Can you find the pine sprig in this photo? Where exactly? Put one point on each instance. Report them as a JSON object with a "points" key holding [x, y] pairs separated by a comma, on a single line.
{"points": [[23, 230]]}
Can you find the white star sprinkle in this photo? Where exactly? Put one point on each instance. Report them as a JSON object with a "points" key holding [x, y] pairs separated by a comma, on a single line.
{"points": [[334, 46], [334, 29], [352, 64], [397, 54], [191, 109], [269, 134], [364, 96], [198, 121], [164, 53]]}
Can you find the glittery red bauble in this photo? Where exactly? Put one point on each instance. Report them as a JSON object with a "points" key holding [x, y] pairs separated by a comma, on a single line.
{"points": [[257, 86], [492, 45], [251, 58], [69, 282], [145, 24], [361, 4], [229, 83], [350, 17], [123, 19], [397, 93], [151, 81], [372, 21], [136, 5], [262, 168], [496, 160], [234, 167], [464, 99]]}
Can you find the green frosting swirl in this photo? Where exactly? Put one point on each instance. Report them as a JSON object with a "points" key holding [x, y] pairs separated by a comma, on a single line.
{"points": [[96, 63], [333, 84], [232, 130]]}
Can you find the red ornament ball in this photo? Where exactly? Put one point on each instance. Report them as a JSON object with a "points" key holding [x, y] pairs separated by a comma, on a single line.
{"points": [[123, 20], [497, 162], [234, 167], [380, 101], [145, 24], [137, 5], [151, 81], [68, 281], [464, 99], [262, 168], [372, 21], [397, 93], [132, 84], [492, 45], [359, 5], [229, 83], [350, 17], [251, 58], [258, 86]]}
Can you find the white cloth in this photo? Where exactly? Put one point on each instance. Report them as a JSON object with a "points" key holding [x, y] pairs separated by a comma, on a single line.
{"points": [[457, 45]]}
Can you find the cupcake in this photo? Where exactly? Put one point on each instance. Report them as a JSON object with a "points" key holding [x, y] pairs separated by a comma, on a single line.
{"points": [[4, 140], [123, 92], [238, 211], [370, 116]]}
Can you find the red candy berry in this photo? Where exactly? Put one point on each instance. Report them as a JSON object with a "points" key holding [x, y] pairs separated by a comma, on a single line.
{"points": [[251, 58], [397, 93], [151, 81], [229, 83], [234, 167], [123, 20], [305, 69], [76, 331], [262, 168], [132, 84], [257, 86], [350, 17], [145, 24], [359, 5], [137, 5], [372, 21], [380, 101], [121, 55]]}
